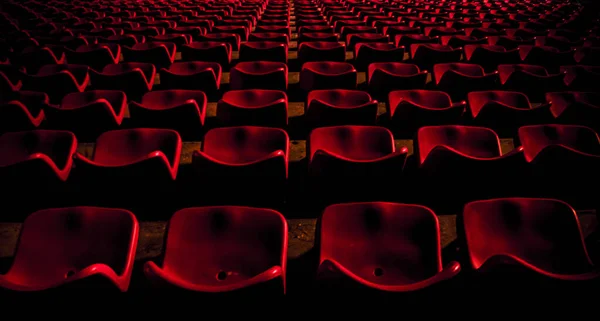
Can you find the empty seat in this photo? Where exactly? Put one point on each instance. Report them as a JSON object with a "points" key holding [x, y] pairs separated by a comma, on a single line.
{"points": [[22, 110], [469, 156], [534, 81], [181, 110], [510, 42], [70, 245], [581, 77], [95, 56], [123, 40], [340, 107], [356, 236], [132, 157], [458, 79], [460, 41], [367, 53], [321, 51], [33, 58], [408, 40], [490, 57], [505, 111], [241, 31], [259, 75], [547, 57], [427, 55], [230, 38], [355, 38], [134, 78], [269, 36], [257, 107], [410, 110], [328, 75], [264, 51], [208, 51], [318, 37], [160, 54], [388, 76], [177, 39], [575, 108], [539, 235], [89, 113], [192, 75], [223, 249], [58, 80], [345, 162]]}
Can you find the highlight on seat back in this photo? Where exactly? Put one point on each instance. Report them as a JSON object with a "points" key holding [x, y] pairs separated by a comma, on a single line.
{"points": [[269, 36], [505, 111], [134, 78], [58, 80], [541, 235], [257, 107], [330, 107], [89, 113], [224, 249], [460, 41], [575, 108], [354, 151], [194, 75], [208, 51], [36, 156], [356, 236], [7, 84], [410, 110], [160, 54], [180, 110], [328, 75], [132, 155], [230, 38], [491, 56], [245, 151], [259, 75], [458, 79], [384, 77], [22, 110], [321, 51], [62, 246], [368, 53], [264, 51], [548, 57], [533, 81], [561, 145], [95, 56]]}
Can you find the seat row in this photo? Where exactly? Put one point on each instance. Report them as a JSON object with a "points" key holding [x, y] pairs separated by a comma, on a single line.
{"points": [[388, 247]]}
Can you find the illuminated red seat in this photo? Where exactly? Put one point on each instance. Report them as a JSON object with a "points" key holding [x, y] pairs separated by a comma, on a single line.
{"points": [[149, 31], [563, 160], [469, 155], [230, 38], [356, 29], [208, 51], [181, 110], [177, 39], [505, 111], [257, 107], [581, 77], [345, 161], [315, 29], [64, 246], [33, 58], [269, 36], [223, 249], [407, 40], [427, 55], [460, 41], [355, 38], [534, 81], [22, 110], [328, 75], [442, 31], [393, 31], [190, 34], [321, 51], [134, 78], [193, 75], [384, 77], [491, 56], [458, 79], [241, 31], [367, 53], [575, 108], [58, 80], [410, 110], [95, 56], [259, 75], [511, 42], [542, 236], [389, 247], [36, 156], [89, 113], [123, 40], [588, 55], [160, 54], [264, 51], [278, 29], [132, 156], [331, 107], [547, 57]]}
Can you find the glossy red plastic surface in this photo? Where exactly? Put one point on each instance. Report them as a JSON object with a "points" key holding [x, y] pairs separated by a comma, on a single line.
{"points": [[208, 51], [542, 141], [134, 78], [575, 108], [193, 75], [328, 75], [257, 107], [160, 54], [222, 249], [340, 107], [64, 245], [259, 75], [412, 109], [22, 110], [58, 80], [386, 246], [542, 235], [534, 81], [321, 51]]}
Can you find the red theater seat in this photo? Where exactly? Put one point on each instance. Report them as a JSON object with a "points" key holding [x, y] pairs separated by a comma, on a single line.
{"points": [[575, 108], [384, 246], [540, 235], [37, 155], [384, 77], [367, 53], [58, 80], [534, 81], [264, 51], [223, 249], [160, 54], [328, 75], [230, 38], [21, 110], [427, 55], [207, 51], [259, 75], [332, 107], [458, 79], [181, 110], [134, 78], [582, 78], [410, 110], [491, 56], [321, 51], [58, 247], [95, 56], [257, 107], [193, 75], [547, 57]]}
